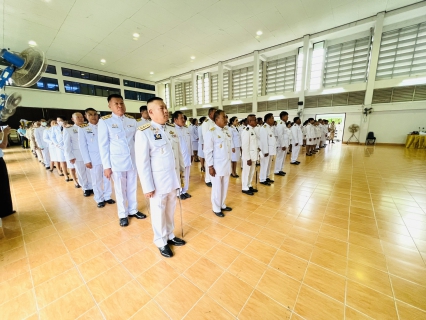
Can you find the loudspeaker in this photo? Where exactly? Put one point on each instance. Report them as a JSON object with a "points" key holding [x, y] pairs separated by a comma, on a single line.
{"points": [[300, 103]]}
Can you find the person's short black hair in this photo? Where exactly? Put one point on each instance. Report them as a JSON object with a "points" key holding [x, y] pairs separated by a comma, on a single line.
{"points": [[283, 113], [295, 119], [185, 117], [143, 108], [259, 119], [89, 109], [154, 99], [61, 116], [232, 120], [202, 119], [193, 121], [114, 95], [267, 116], [217, 113], [213, 109], [176, 115]]}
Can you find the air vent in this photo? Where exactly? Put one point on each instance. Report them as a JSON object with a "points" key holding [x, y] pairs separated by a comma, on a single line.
{"points": [[278, 105], [239, 108], [338, 99], [187, 113], [399, 94], [202, 112]]}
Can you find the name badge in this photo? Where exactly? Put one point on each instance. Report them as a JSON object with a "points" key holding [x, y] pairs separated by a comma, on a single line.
{"points": [[75, 130], [129, 125], [157, 136], [114, 125]]}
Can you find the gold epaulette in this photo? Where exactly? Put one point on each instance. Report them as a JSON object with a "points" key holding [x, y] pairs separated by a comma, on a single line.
{"points": [[106, 117], [207, 120], [170, 124], [212, 129], [83, 125], [129, 116], [185, 126], [264, 125], [139, 120], [145, 126]]}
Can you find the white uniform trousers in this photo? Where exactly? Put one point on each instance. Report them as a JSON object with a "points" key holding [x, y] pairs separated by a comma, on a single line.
{"points": [[219, 192], [186, 179], [207, 176], [83, 175], [295, 153], [247, 174], [265, 168], [162, 208], [125, 186], [280, 159], [101, 185], [46, 157], [39, 155]]}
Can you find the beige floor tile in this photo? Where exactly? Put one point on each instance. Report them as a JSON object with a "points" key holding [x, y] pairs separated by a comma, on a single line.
{"points": [[312, 304], [150, 311], [207, 309], [222, 255], [141, 261], [369, 302], [351, 314], [370, 277], [178, 298], [406, 311], [300, 249], [260, 305], [14, 269], [327, 282], [237, 240], [15, 287], [157, 278], [279, 287], [94, 267], [230, 292], [247, 269], [409, 292], [260, 251], [202, 242], [289, 264], [19, 307], [203, 273], [329, 260]]}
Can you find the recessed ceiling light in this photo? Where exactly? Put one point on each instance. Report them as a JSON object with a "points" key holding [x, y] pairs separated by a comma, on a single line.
{"points": [[151, 72], [136, 35], [259, 33], [32, 43], [192, 57], [103, 61]]}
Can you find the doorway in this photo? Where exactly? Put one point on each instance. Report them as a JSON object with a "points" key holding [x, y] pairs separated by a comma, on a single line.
{"points": [[339, 121]]}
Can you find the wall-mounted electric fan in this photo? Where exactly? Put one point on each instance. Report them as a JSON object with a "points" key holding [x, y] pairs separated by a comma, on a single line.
{"points": [[25, 69], [353, 128]]}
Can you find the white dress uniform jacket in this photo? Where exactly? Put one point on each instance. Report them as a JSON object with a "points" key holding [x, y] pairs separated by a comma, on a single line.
{"points": [[297, 138], [205, 127], [282, 141], [310, 135], [116, 142], [200, 142], [47, 136], [38, 136], [268, 143], [249, 152], [194, 137], [58, 139], [174, 139]]}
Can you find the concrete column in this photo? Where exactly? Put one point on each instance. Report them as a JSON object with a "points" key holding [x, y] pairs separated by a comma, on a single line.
{"points": [[172, 94], [371, 76], [255, 79], [220, 84], [194, 87]]}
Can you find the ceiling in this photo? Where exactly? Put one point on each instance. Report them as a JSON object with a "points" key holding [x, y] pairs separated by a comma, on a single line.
{"points": [[82, 32]]}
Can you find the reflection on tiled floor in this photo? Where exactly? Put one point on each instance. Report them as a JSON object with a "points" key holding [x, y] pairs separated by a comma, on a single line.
{"points": [[342, 236]]}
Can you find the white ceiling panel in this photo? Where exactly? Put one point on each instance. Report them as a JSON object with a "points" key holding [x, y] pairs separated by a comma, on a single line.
{"points": [[84, 31]]}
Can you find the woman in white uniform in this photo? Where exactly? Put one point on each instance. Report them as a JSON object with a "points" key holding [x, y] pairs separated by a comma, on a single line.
{"points": [[194, 138], [200, 144], [57, 138], [236, 150]]}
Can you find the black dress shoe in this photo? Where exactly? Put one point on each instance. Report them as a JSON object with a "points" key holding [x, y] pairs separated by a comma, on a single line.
{"points": [[86, 193], [124, 222], [77, 186], [282, 172], [248, 192], [110, 201], [253, 189], [138, 215], [219, 214], [90, 191], [209, 184], [269, 180], [176, 242], [166, 251], [298, 162], [265, 183], [295, 163], [47, 168], [101, 204], [227, 209], [182, 196], [187, 195]]}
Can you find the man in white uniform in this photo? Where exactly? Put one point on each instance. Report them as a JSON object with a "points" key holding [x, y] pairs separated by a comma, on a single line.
{"points": [[205, 127], [310, 137], [116, 135], [217, 150], [282, 144], [249, 155], [156, 165], [89, 148], [268, 148], [41, 144], [73, 154], [297, 140], [144, 116], [186, 149]]}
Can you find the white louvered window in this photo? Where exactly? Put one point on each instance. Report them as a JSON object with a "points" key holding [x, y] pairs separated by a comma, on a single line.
{"points": [[167, 95], [187, 87], [347, 62], [178, 94], [402, 52], [225, 85], [206, 82], [280, 75], [199, 89], [260, 79], [299, 69], [214, 88], [317, 64], [242, 83]]}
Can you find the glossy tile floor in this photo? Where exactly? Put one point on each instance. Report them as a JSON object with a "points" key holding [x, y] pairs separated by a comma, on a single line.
{"points": [[342, 236]]}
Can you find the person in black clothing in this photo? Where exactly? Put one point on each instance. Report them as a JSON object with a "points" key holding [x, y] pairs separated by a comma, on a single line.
{"points": [[5, 197]]}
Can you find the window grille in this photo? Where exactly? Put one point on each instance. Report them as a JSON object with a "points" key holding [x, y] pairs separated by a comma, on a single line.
{"points": [[280, 75], [242, 83], [178, 94], [214, 88]]}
